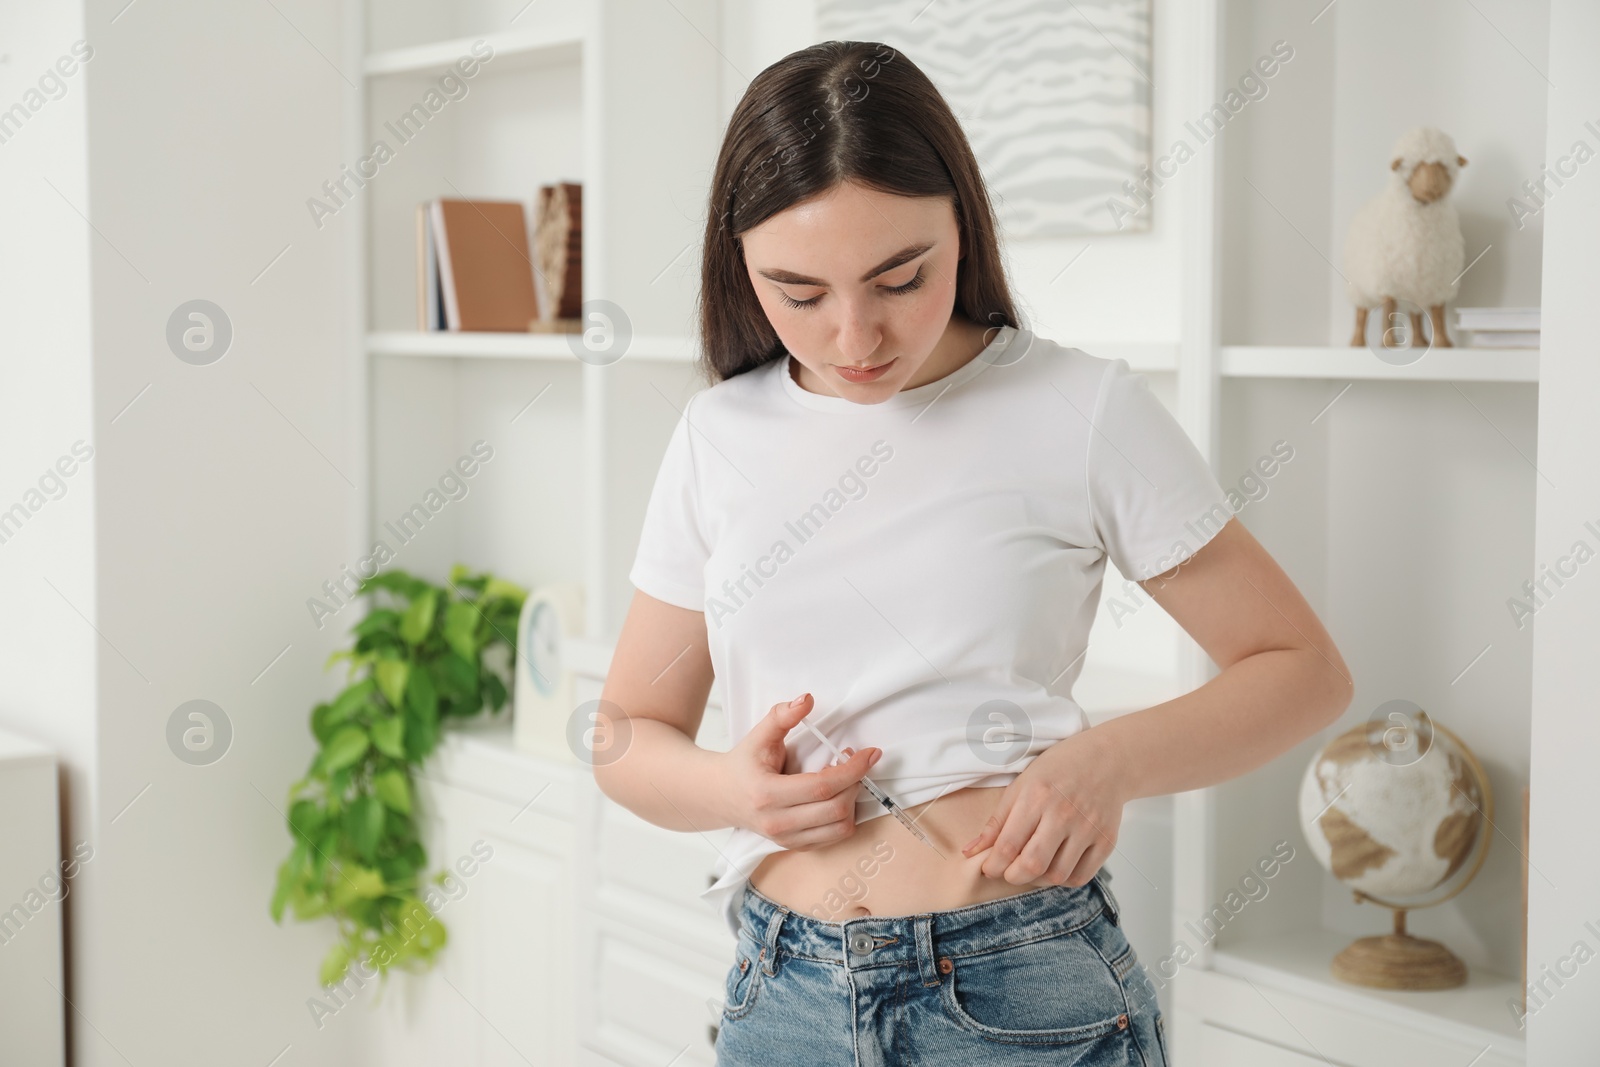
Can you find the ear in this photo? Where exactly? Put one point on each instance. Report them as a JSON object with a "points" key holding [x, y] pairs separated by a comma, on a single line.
{"points": [[1461, 161], [1396, 164]]}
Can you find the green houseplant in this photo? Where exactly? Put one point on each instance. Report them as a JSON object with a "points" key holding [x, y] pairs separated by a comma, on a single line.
{"points": [[423, 655]]}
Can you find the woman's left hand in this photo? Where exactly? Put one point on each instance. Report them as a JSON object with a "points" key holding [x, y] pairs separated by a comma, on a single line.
{"points": [[1057, 820]]}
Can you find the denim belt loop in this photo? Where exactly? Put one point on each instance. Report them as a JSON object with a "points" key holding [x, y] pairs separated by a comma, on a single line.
{"points": [[1101, 880], [769, 963], [923, 926]]}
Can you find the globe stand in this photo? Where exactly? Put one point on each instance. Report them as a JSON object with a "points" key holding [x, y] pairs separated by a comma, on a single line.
{"points": [[1399, 961]]}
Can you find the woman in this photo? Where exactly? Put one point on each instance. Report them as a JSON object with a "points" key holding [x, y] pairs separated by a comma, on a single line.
{"points": [[889, 516]]}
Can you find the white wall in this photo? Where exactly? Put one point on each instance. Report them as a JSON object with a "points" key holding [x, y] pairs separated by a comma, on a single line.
{"points": [[47, 568], [1564, 883], [46, 531], [177, 564]]}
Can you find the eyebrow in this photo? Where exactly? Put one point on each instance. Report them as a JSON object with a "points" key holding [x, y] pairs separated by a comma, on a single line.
{"points": [[905, 255]]}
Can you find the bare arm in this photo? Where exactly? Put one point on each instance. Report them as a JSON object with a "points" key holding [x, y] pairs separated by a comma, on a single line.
{"points": [[1282, 678], [656, 692], [660, 678]]}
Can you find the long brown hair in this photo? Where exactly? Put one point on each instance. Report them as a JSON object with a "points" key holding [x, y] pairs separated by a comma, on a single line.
{"points": [[836, 111]]}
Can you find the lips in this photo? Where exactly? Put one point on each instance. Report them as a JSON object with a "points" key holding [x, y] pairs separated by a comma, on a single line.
{"points": [[853, 374]]}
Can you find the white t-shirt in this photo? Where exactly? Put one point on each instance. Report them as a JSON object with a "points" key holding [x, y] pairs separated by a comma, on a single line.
{"points": [[927, 567]]}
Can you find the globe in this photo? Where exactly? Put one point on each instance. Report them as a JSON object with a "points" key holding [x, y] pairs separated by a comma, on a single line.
{"points": [[1394, 808]]}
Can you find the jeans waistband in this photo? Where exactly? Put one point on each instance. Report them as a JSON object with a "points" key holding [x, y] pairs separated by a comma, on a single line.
{"points": [[875, 941]]}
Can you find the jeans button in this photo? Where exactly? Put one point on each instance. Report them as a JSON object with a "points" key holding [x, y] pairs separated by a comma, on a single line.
{"points": [[861, 943]]}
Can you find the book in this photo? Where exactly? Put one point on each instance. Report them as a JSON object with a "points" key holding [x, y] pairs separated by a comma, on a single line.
{"points": [[1497, 318], [1503, 339], [558, 242], [485, 272], [430, 300]]}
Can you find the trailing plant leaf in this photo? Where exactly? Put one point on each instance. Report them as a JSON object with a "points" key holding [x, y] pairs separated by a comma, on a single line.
{"points": [[392, 675], [418, 619], [461, 629], [393, 789], [387, 734], [423, 655], [347, 745], [363, 821]]}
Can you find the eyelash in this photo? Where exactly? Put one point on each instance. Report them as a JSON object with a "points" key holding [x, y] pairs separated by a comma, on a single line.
{"points": [[900, 290]]}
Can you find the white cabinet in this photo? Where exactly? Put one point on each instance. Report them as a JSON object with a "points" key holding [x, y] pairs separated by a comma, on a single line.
{"points": [[32, 893], [651, 953], [578, 937], [1217, 1045], [502, 991]]}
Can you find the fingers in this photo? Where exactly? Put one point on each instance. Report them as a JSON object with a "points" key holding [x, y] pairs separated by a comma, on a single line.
{"points": [[809, 823], [1008, 845], [991, 829], [828, 782], [787, 715], [1051, 842], [781, 718], [1078, 873], [985, 838], [822, 834]]}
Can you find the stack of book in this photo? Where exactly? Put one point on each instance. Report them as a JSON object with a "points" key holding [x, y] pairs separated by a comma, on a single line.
{"points": [[473, 269], [476, 267], [1499, 327]]}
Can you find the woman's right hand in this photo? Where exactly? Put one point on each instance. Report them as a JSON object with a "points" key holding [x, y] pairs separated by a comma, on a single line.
{"points": [[801, 810]]}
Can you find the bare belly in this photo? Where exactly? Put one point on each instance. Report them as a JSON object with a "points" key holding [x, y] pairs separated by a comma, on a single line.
{"points": [[883, 870]]}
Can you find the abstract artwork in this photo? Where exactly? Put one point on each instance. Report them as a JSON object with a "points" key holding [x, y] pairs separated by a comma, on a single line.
{"points": [[1054, 98]]}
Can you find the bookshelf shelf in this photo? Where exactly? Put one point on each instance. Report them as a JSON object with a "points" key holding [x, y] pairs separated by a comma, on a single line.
{"points": [[1297, 961], [543, 45], [534, 346], [1445, 364]]}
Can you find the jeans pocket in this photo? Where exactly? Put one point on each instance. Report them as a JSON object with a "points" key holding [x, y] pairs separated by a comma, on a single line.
{"points": [[1161, 1039], [1057, 990], [743, 980]]}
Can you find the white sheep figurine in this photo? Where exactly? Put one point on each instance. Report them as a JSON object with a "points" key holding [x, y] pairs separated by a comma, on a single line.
{"points": [[1405, 243]]}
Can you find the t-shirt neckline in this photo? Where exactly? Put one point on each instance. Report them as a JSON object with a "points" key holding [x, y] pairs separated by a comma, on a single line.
{"points": [[905, 397]]}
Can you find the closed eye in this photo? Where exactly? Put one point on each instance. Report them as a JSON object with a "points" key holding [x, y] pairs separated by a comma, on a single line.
{"points": [[899, 290]]}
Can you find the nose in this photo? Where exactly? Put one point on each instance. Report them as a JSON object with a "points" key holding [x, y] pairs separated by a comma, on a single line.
{"points": [[860, 334]]}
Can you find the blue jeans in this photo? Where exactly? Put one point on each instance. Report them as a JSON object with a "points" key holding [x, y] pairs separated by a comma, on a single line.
{"points": [[1041, 977]]}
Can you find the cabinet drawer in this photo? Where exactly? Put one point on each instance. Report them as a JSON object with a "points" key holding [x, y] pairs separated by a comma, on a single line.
{"points": [[634, 857], [654, 1002], [1225, 1048]]}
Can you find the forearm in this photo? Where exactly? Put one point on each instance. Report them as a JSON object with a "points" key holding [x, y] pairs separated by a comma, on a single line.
{"points": [[665, 778], [1258, 708]]}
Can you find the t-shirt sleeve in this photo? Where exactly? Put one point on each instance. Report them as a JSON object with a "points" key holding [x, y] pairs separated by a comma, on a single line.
{"points": [[1153, 499], [670, 562]]}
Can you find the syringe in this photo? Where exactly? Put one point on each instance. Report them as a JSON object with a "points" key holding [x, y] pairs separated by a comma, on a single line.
{"points": [[873, 788]]}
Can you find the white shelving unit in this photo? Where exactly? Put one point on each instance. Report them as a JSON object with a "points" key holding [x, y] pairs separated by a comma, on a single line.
{"points": [[555, 100], [550, 941], [1405, 515]]}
